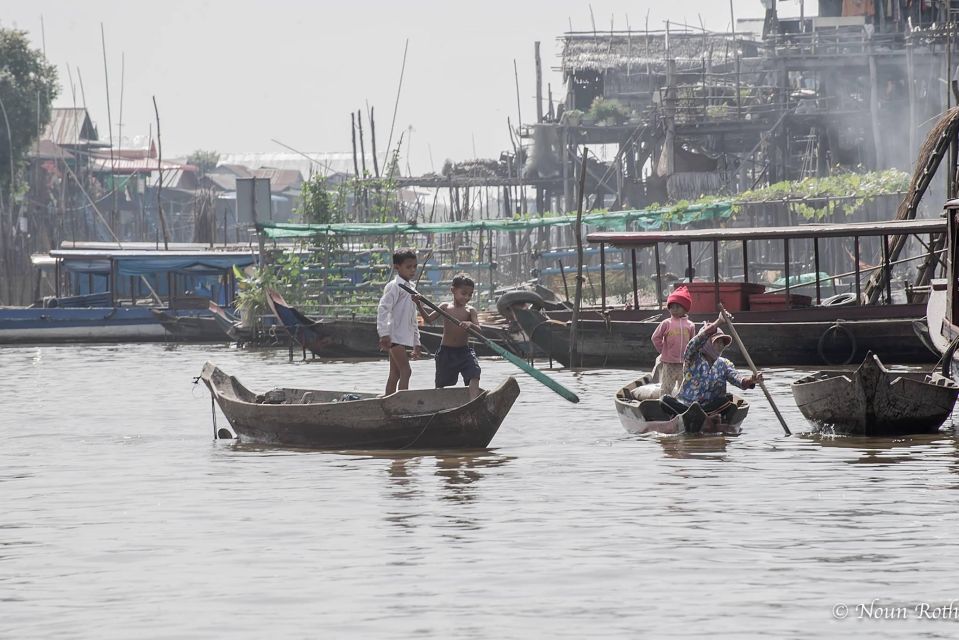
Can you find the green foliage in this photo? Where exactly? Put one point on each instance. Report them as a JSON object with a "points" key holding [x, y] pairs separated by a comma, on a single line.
{"points": [[807, 197], [27, 83], [284, 275], [318, 204], [608, 112], [205, 161]]}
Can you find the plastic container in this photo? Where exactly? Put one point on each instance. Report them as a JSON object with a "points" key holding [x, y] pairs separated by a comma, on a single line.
{"points": [[735, 296], [778, 301]]}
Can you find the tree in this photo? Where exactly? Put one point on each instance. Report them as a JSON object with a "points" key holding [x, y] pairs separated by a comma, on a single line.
{"points": [[205, 161], [317, 204], [28, 86]]}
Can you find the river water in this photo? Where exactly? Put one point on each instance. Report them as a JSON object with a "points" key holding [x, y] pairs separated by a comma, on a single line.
{"points": [[121, 517]]}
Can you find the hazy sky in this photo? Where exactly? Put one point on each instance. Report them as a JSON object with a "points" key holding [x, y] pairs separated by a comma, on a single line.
{"points": [[231, 75]]}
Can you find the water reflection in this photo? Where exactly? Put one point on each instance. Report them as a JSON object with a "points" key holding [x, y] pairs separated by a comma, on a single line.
{"points": [[890, 450], [710, 448], [411, 484], [460, 472]]}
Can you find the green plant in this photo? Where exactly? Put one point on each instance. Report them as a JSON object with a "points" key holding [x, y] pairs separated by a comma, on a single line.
{"points": [[608, 112], [204, 161], [283, 275]]}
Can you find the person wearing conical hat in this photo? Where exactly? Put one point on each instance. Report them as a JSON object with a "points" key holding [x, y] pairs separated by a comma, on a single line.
{"points": [[706, 373], [670, 339]]}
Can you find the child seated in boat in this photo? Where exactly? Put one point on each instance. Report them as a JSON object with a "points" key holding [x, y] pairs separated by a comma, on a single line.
{"points": [[455, 357], [705, 375], [670, 339], [396, 321]]}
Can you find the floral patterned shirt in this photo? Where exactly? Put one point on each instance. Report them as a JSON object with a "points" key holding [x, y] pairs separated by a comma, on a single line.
{"points": [[704, 382]]}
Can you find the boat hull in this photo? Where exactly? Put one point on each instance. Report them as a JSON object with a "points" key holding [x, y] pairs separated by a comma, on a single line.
{"points": [[421, 419], [197, 328], [638, 417], [834, 337], [79, 325], [872, 401]]}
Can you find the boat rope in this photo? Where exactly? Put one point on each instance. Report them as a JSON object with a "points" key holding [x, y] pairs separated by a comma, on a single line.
{"points": [[213, 412], [196, 381], [420, 434]]}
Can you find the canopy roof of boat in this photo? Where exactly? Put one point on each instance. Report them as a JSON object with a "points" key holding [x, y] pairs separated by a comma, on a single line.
{"points": [[66, 254], [849, 230], [129, 262], [88, 245]]}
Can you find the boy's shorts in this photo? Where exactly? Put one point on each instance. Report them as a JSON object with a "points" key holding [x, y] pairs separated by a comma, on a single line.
{"points": [[453, 361]]}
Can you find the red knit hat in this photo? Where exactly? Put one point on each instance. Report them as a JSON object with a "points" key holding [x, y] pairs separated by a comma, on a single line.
{"points": [[681, 297]]}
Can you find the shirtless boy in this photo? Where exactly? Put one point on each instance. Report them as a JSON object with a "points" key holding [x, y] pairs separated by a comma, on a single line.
{"points": [[455, 357]]}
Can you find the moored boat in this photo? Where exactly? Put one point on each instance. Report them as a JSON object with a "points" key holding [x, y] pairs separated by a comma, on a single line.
{"points": [[785, 328], [873, 401], [358, 338], [640, 411], [195, 328], [414, 419]]}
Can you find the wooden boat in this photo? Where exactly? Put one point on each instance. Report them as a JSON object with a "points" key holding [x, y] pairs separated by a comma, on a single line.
{"points": [[192, 328], [836, 331], [873, 401], [416, 419], [358, 338], [640, 412]]}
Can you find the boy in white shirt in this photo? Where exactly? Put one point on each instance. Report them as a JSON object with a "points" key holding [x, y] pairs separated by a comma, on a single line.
{"points": [[396, 321]]}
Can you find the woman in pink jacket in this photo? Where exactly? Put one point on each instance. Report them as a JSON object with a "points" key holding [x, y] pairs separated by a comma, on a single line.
{"points": [[671, 337]]}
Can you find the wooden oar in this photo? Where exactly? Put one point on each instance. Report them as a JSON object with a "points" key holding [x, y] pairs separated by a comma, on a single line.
{"points": [[516, 360], [752, 365]]}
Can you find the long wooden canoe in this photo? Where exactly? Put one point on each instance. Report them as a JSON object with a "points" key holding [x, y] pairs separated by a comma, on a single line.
{"points": [[416, 419]]}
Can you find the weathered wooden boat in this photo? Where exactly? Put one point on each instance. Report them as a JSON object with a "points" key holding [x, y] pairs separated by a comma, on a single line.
{"points": [[193, 328], [873, 401], [358, 338], [415, 419], [831, 331], [640, 411], [230, 324]]}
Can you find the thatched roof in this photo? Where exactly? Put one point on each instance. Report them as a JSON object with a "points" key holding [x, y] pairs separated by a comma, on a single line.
{"points": [[634, 51]]}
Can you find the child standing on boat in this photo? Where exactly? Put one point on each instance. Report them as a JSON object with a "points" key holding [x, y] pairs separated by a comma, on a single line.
{"points": [[396, 321], [455, 357], [670, 339]]}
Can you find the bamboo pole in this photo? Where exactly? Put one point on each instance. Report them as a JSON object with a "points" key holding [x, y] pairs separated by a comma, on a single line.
{"points": [[574, 328], [376, 164], [762, 384], [166, 237]]}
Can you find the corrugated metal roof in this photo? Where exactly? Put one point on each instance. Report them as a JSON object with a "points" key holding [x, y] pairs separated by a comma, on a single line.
{"points": [[48, 150], [123, 166], [71, 127], [323, 163], [221, 181], [280, 179]]}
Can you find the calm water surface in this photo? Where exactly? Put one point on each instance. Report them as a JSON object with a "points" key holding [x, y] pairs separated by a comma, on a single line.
{"points": [[120, 517]]}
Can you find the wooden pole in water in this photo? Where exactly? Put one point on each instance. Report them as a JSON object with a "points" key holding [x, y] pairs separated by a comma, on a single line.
{"points": [[166, 237], [752, 366], [574, 328]]}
